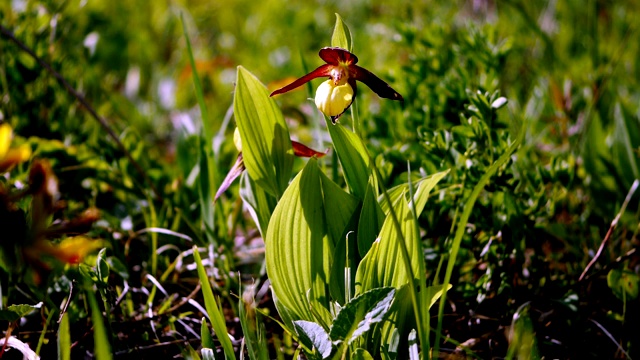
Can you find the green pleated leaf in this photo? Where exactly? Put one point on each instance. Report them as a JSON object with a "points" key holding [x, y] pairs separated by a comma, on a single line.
{"points": [[370, 222], [361, 313], [353, 156], [298, 249], [424, 189], [341, 214], [313, 337], [339, 207], [388, 268], [341, 35], [266, 146]]}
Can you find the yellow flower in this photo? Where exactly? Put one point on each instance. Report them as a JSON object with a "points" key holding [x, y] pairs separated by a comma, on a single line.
{"points": [[11, 157], [332, 99]]}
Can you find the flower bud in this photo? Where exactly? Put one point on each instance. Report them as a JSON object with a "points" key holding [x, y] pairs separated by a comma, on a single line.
{"points": [[237, 141], [332, 99]]}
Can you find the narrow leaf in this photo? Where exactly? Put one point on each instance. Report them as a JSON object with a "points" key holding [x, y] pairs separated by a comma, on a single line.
{"points": [[213, 310], [370, 223], [64, 339], [205, 335], [102, 348], [341, 35], [353, 157]]}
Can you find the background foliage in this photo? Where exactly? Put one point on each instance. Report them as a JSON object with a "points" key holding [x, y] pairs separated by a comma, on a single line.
{"points": [[570, 72]]}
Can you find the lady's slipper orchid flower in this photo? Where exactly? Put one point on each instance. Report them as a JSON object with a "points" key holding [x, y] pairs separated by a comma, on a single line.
{"points": [[335, 95], [299, 150]]}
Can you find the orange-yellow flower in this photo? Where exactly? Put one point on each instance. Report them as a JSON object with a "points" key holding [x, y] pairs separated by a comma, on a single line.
{"points": [[9, 157]]}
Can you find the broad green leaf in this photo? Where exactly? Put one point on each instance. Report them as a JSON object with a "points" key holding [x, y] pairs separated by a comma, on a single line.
{"points": [[205, 335], [341, 35], [353, 157], [213, 309], [359, 315], [16, 312], [361, 354], [64, 339], [339, 207], [266, 146], [314, 337], [388, 268], [298, 250], [370, 222], [424, 189]]}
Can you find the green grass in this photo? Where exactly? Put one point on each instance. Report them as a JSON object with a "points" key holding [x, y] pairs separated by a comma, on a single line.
{"points": [[526, 113]]}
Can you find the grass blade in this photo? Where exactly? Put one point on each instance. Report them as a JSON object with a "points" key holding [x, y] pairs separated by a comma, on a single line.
{"points": [[213, 310]]}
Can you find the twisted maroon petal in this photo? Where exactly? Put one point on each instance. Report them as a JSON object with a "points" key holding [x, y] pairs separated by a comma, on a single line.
{"points": [[301, 150], [323, 70], [376, 84], [336, 55]]}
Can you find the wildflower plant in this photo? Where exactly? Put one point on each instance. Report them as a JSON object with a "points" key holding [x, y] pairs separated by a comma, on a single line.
{"points": [[337, 260]]}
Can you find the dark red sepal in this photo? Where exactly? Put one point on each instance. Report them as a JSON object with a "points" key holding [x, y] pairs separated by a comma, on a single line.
{"points": [[302, 150], [337, 55], [376, 84], [321, 71]]}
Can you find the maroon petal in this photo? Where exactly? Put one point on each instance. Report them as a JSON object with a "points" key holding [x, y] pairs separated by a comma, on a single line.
{"points": [[323, 70], [235, 171], [376, 84], [301, 150], [337, 55]]}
